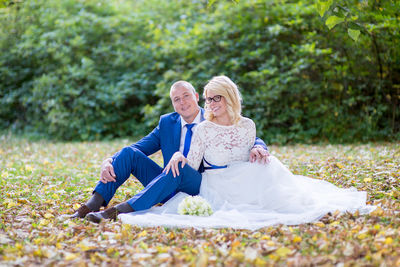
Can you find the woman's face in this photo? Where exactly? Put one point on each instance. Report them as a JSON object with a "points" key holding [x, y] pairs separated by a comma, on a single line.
{"points": [[218, 108]]}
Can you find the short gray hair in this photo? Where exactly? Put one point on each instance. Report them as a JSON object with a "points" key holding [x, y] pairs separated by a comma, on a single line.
{"points": [[185, 84]]}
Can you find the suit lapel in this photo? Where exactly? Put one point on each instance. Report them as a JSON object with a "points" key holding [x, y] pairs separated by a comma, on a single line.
{"points": [[202, 115], [177, 133]]}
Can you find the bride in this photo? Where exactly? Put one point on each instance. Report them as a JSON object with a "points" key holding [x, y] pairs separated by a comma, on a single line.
{"points": [[242, 194]]}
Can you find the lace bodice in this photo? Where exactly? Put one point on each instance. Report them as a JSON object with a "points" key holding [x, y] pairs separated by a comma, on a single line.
{"points": [[221, 145]]}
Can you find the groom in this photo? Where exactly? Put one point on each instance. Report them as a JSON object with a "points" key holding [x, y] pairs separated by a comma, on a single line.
{"points": [[172, 134]]}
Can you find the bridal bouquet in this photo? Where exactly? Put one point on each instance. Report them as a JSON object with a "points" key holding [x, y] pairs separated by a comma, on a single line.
{"points": [[195, 205]]}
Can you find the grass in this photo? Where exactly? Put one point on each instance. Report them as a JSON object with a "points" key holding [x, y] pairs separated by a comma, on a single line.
{"points": [[41, 180]]}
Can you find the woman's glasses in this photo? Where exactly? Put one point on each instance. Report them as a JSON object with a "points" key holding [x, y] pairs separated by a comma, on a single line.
{"points": [[216, 98]]}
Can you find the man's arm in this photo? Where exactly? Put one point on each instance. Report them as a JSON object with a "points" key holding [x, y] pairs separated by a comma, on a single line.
{"points": [[259, 152], [148, 145], [261, 143]]}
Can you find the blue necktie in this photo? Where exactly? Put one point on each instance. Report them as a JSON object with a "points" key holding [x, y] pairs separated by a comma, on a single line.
{"points": [[188, 138]]}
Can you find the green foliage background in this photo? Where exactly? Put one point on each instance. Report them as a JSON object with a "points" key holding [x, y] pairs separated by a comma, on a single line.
{"points": [[88, 70]]}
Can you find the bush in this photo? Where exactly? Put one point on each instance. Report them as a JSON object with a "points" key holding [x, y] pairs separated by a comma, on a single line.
{"points": [[102, 69]]}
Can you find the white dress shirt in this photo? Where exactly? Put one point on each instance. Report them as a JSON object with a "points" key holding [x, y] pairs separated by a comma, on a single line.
{"points": [[184, 129]]}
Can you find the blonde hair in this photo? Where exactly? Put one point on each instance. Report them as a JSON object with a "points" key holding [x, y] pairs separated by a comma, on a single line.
{"points": [[222, 85]]}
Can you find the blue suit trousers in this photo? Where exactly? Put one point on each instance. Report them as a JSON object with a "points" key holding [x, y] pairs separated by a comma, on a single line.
{"points": [[158, 185]]}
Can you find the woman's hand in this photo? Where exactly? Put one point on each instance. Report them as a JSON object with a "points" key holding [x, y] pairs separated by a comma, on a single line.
{"points": [[107, 173], [173, 164], [258, 153]]}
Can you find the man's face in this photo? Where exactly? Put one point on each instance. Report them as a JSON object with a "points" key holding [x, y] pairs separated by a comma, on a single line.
{"points": [[185, 102]]}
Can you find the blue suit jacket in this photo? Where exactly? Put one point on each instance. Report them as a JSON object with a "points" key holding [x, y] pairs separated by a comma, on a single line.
{"points": [[167, 135]]}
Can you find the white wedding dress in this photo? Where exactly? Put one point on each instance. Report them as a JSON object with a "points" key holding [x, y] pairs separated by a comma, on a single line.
{"points": [[248, 195]]}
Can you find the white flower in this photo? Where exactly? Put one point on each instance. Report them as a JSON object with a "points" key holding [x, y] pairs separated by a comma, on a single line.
{"points": [[194, 205]]}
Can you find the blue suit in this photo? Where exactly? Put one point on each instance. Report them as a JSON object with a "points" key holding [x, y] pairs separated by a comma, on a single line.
{"points": [[158, 185]]}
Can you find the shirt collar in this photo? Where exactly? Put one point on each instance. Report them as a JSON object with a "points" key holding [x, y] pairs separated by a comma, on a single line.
{"points": [[196, 120]]}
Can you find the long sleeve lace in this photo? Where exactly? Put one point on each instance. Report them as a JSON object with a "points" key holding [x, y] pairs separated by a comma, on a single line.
{"points": [[197, 148], [221, 145]]}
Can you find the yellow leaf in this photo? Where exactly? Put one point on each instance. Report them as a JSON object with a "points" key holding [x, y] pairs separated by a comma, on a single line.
{"points": [[86, 245], [55, 196], [377, 212], [126, 230], [339, 165], [257, 235], [315, 238], [38, 241], [142, 234], [266, 237], [70, 256], [76, 206], [271, 243], [367, 180], [377, 227], [283, 252], [143, 246], [237, 255], [297, 239], [260, 262], [60, 236], [37, 253], [171, 235], [118, 236], [41, 253], [235, 244], [10, 203], [5, 175], [48, 215], [19, 246], [388, 240], [334, 223], [110, 251], [319, 224], [44, 222], [28, 168], [362, 236], [273, 257]]}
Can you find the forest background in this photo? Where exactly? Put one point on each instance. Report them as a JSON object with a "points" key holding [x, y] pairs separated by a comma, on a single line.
{"points": [[309, 71]]}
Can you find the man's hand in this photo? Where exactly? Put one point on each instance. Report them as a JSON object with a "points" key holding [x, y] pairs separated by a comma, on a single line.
{"points": [[173, 164], [107, 172], [258, 153]]}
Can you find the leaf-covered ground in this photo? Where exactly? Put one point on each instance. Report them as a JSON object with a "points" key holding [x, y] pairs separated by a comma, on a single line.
{"points": [[42, 180]]}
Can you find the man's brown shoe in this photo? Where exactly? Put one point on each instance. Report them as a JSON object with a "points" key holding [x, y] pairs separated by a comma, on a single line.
{"points": [[96, 217], [81, 212]]}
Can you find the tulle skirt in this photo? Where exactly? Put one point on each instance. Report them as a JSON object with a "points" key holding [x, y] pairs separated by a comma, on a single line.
{"points": [[250, 196]]}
